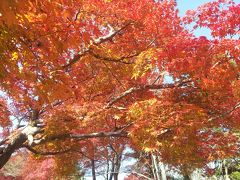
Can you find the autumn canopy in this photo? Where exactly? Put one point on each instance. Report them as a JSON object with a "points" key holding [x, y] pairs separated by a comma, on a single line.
{"points": [[84, 79]]}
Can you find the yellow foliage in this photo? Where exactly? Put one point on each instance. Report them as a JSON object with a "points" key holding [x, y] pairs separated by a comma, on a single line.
{"points": [[14, 56], [143, 63]]}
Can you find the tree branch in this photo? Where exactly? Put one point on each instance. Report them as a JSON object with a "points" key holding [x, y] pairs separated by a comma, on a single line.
{"points": [[111, 35], [237, 106], [98, 41], [46, 153], [143, 88], [75, 59], [79, 137], [118, 60], [121, 59], [141, 175]]}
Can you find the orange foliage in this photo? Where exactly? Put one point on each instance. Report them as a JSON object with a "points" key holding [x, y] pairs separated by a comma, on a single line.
{"points": [[101, 66]]}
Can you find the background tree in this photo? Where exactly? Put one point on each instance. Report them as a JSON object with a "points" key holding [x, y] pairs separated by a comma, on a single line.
{"points": [[76, 75]]}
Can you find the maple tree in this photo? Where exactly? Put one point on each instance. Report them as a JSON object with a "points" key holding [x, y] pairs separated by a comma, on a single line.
{"points": [[78, 75]]}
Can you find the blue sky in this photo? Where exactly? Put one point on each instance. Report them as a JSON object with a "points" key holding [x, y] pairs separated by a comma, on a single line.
{"points": [[192, 4], [185, 5]]}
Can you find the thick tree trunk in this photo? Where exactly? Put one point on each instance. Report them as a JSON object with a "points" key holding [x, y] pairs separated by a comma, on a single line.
{"points": [[18, 138], [11, 148]]}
